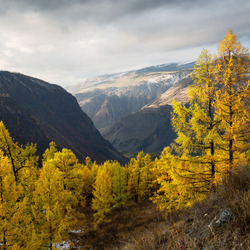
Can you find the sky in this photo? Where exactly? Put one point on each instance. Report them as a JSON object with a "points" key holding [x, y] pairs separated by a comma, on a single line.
{"points": [[66, 41]]}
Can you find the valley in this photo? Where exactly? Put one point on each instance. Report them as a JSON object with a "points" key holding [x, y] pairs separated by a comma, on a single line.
{"points": [[133, 109], [124, 125], [83, 193]]}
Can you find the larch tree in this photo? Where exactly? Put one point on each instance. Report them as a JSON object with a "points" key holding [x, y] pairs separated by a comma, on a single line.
{"points": [[231, 69], [70, 170], [196, 128], [52, 209], [146, 179], [134, 181], [50, 152], [16, 227], [19, 157], [170, 191], [119, 185], [213, 129], [102, 194], [86, 182]]}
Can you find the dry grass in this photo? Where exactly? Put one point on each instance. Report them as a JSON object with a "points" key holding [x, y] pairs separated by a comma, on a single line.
{"points": [[143, 226], [125, 222], [190, 229]]}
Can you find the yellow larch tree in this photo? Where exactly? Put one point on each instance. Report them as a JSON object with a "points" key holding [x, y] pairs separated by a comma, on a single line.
{"points": [[195, 124], [134, 181], [146, 179], [20, 157], [52, 209], [16, 227], [86, 182], [119, 185], [102, 194], [196, 145], [50, 152], [67, 164], [231, 69], [212, 130]]}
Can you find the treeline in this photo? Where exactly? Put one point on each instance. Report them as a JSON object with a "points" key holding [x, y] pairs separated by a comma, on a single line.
{"points": [[39, 206]]}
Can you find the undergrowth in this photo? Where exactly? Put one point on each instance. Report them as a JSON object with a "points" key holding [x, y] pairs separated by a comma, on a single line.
{"points": [[143, 226], [190, 229]]}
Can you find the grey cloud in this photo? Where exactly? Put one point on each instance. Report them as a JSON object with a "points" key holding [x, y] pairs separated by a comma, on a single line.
{"points": [[93, 9], [64, 40]]}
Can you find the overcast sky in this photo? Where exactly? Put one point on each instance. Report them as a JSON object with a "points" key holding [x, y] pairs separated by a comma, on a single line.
{"points": [[65, 41]]}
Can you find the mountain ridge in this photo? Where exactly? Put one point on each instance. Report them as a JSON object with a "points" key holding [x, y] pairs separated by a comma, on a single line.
{"points": [[149, 129], [52, 112], [108, 98]]}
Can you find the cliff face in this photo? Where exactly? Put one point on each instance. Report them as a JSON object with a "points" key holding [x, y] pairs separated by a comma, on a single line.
{"points": [[36, 111]]}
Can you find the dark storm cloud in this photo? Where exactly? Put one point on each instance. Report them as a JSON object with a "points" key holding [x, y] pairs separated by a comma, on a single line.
{"points": [[68, 39]]}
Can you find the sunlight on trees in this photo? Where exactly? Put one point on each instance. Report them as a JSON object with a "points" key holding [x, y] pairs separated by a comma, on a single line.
{"points": [[39, 204]]}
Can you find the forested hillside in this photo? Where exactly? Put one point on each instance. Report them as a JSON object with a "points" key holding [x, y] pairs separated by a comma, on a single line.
{"points": [[205, 170]]}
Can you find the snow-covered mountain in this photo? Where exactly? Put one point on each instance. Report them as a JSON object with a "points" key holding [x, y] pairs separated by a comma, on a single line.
{"points": [[108, 98]]}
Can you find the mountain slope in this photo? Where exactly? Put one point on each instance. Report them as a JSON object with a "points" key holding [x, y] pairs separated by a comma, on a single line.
{"points": [[108, 98], [36, 111], [150, 128]]}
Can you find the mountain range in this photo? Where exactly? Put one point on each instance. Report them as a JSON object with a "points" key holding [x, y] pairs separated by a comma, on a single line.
{"points": [[108, 98], [133, 109], [149, 129], [39, 112]]}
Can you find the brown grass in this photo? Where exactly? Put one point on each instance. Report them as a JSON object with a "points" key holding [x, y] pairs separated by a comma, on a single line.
{"points": [[190, 229], [125, 222], [143, 226]]}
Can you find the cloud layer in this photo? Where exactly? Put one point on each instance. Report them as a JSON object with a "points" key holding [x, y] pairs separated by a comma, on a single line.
{"points": [[64, 41]]}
